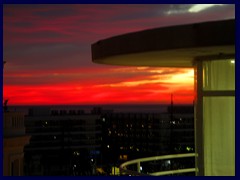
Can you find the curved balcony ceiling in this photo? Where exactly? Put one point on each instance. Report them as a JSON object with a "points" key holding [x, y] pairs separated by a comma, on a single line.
{"points": [[174, 46]]}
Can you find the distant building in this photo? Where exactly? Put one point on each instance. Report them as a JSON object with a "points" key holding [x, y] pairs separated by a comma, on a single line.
{"points": [[127, 136], [62, 142], [182, 129], [70, 142]]}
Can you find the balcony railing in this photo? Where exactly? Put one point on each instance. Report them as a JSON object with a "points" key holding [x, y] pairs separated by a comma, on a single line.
{"points": [[160, 165]]}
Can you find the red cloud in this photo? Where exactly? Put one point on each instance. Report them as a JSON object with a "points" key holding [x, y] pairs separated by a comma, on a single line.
{"points": [[94, 93]]}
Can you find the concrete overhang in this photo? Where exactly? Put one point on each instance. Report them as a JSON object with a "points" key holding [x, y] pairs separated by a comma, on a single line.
{"points": [[175, 46]]}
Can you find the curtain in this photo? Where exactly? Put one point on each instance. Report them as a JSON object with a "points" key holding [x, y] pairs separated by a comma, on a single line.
{"points": [[219, 136], [219, 118], [219, 75]]}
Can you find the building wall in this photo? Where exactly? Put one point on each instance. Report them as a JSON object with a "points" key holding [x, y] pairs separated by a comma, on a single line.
{"points": [[13, 143], [60, 141]]}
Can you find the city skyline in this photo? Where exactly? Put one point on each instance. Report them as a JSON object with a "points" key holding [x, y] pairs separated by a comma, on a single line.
{"points": [[48, 53]]}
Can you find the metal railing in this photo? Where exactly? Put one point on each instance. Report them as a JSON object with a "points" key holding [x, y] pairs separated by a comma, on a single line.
{"points": [[136, 167]]}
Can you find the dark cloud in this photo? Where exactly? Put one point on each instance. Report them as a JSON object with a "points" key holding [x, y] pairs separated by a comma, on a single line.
{"points": [[55, 11], [58, 32]]}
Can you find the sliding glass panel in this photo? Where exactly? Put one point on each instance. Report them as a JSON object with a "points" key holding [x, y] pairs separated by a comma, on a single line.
{"points": [[219, 136], [219, 75]]}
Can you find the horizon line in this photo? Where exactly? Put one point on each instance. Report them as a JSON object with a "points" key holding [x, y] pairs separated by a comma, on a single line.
{"points": [[136, 104]]}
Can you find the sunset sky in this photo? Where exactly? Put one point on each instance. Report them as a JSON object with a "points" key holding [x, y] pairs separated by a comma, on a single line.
{"points": [[48, 53]]}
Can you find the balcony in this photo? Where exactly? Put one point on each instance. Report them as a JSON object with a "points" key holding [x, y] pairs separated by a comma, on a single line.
{"points": [[167, 165]]}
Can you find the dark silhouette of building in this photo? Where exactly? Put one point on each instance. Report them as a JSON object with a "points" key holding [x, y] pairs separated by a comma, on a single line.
{"points": [[62, 142], [74, 143], [127, 136]]}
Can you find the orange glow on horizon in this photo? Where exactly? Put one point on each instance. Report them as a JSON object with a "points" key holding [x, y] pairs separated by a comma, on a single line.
{"points": [[145, 86]]}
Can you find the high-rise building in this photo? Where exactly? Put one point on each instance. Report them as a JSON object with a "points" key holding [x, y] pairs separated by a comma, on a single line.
{"points": [[62, 142]]}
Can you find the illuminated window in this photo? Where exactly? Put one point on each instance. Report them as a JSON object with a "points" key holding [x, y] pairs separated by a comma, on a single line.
{"points": [[123, 157]]}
